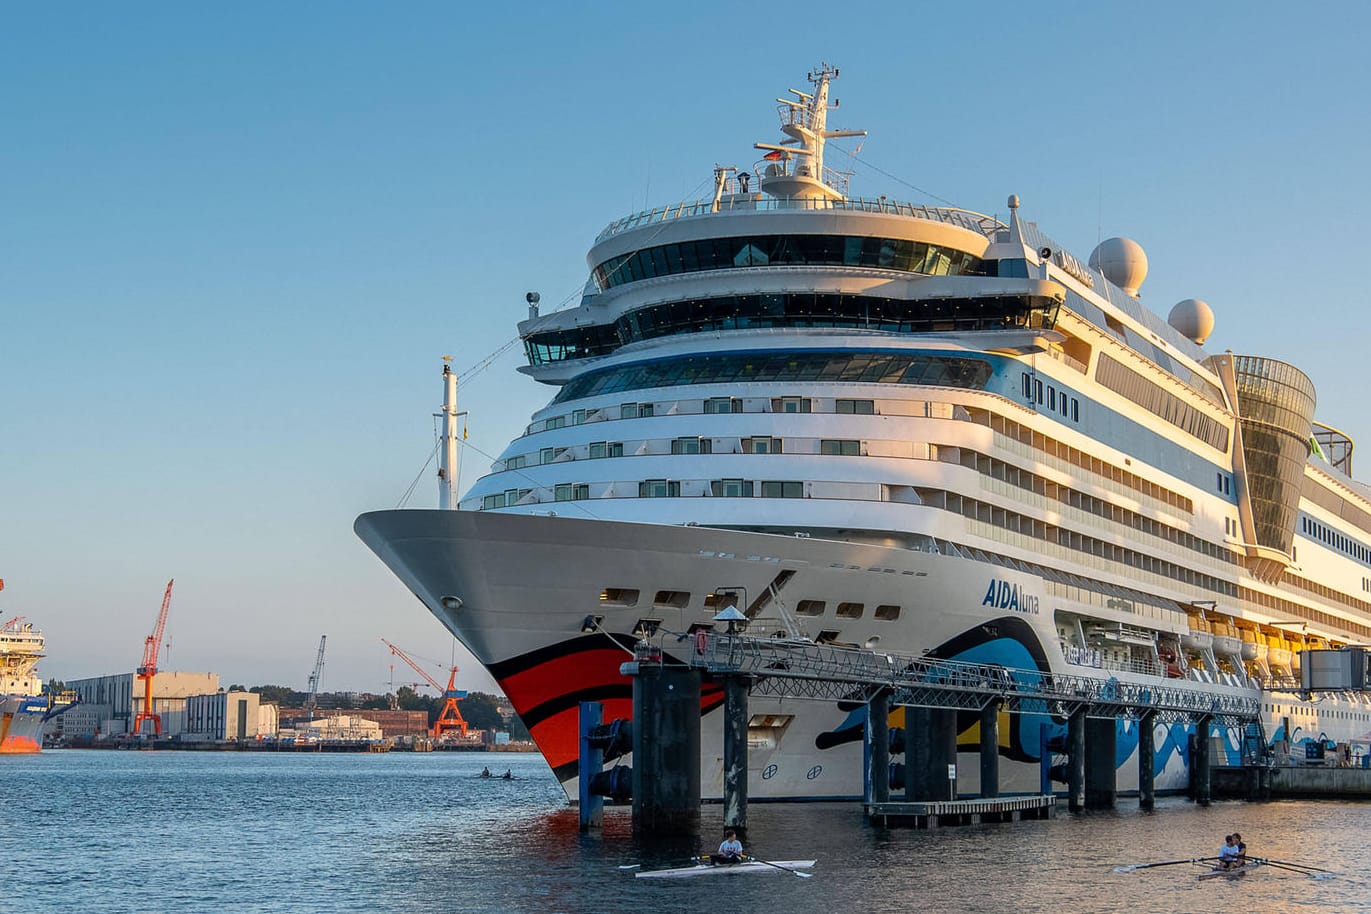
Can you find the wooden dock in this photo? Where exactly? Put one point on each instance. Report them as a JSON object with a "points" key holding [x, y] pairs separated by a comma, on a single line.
{"points": [[940, 813]]}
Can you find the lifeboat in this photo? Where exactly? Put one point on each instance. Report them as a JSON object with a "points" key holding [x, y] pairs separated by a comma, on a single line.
{"points": [[1277, 652], [1199, 639], [1253, 644], [1226, 641]]}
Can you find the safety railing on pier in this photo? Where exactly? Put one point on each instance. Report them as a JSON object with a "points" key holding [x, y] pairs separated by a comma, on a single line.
{"points": [[796, 668]]}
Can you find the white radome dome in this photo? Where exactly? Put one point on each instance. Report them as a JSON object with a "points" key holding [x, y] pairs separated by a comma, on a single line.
{"points": [[1122, 261], [1192, 318]]}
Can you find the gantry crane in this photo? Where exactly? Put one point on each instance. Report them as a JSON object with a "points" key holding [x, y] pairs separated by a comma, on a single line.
{"points": [[311, 700], [449, 718], [148, 669]]}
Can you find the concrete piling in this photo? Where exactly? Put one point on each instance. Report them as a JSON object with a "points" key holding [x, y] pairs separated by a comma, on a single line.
{"points": [[1075, 767], [1101, 742], [990, 750], [735, 753], [666, 750], [1147, 760]]}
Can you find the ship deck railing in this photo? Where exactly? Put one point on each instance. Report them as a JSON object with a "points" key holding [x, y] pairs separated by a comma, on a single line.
{"points": [[799, 668], [972, 221]]}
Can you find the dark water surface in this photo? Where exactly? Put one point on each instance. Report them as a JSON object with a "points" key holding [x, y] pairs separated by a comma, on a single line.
{"points": [[97, 831]]}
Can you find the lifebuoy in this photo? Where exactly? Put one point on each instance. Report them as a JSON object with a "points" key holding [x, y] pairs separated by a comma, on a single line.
{"points": [[701, 639]]}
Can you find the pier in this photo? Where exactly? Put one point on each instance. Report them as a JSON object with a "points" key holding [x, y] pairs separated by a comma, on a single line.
{"points": [[666, 790]]}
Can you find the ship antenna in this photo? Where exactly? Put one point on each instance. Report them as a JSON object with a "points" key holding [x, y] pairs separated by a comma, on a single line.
{"points": [[804, 121]]}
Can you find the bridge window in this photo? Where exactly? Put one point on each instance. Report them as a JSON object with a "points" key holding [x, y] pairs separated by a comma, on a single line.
{"points": [[871, 367], [766, 250]]}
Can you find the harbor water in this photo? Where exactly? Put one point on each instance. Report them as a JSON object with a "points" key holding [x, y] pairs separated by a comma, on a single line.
{"points": [[101, 831]]}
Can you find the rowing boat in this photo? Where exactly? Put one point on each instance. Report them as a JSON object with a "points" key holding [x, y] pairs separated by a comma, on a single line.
{"points": [[726, 869], [1234, 873]]}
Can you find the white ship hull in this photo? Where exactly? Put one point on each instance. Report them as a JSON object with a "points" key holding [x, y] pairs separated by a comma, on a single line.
{"points": [[527, 583]]}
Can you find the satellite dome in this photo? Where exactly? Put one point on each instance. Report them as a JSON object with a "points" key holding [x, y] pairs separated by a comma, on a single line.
{"points": [[1192, 318], [1122, 261]]}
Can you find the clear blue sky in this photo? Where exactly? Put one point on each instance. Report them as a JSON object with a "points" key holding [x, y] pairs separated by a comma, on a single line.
{"points": [[235, 241]]}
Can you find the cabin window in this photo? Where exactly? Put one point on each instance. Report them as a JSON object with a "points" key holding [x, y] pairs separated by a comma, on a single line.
{"points": [[855, 407], [849, 610], [569, 491], [659, 488], [791, 405], [619, 596], [731, 488], [887, 613], [720, 405], [777, 489], [840, 448], [516, 463], [671, 599], [810, 608], [762, 445], [692, 446]]}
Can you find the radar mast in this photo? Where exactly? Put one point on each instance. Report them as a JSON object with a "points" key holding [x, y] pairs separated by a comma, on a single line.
{"points": [[796, 167]]}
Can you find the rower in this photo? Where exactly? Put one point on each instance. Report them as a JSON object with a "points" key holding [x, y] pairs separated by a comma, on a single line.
{"points": [[730, 849], [1241, 858], [1228, 854]]}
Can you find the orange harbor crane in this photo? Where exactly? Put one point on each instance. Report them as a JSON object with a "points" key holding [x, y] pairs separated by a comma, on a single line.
{"points": [[148, 668], [449, 718]]}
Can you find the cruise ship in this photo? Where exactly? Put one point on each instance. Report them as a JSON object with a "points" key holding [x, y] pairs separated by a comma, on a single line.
{"points": [[23, 706], [912, 429]]}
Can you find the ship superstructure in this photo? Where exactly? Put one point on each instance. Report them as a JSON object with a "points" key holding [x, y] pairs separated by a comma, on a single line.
{"points": [[887, 424], [22, 705]]}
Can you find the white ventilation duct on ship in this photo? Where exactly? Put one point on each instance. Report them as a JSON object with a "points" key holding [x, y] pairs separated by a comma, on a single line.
{"points": [[1122, 261], [1193, 319]]}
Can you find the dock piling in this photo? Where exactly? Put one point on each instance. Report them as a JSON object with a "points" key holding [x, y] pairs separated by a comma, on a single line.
{"points": [[591, 760], [1147, 760], [990, 750], [666, 749], [735, 753]]}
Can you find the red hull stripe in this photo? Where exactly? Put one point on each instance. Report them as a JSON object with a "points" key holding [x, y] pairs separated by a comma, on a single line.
{"points": [[547, 686]]}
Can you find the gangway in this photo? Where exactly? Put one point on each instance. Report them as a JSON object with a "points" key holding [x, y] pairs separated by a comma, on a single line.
{"points": [[791, 668]]}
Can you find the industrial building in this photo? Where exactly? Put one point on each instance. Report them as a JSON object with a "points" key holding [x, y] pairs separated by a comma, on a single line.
{"points": [[190, 705]]}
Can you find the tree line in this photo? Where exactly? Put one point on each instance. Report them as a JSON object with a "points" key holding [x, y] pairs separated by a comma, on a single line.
{"points": [[479, 709]]}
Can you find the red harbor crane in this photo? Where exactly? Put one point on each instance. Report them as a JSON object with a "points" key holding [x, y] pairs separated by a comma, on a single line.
{"points": [[148, 669], [449, 718]]}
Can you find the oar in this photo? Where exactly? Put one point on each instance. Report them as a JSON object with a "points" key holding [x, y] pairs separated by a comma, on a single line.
{"points": [[1301, 868], [1146, 866], [777, 866], [630, 866]]}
